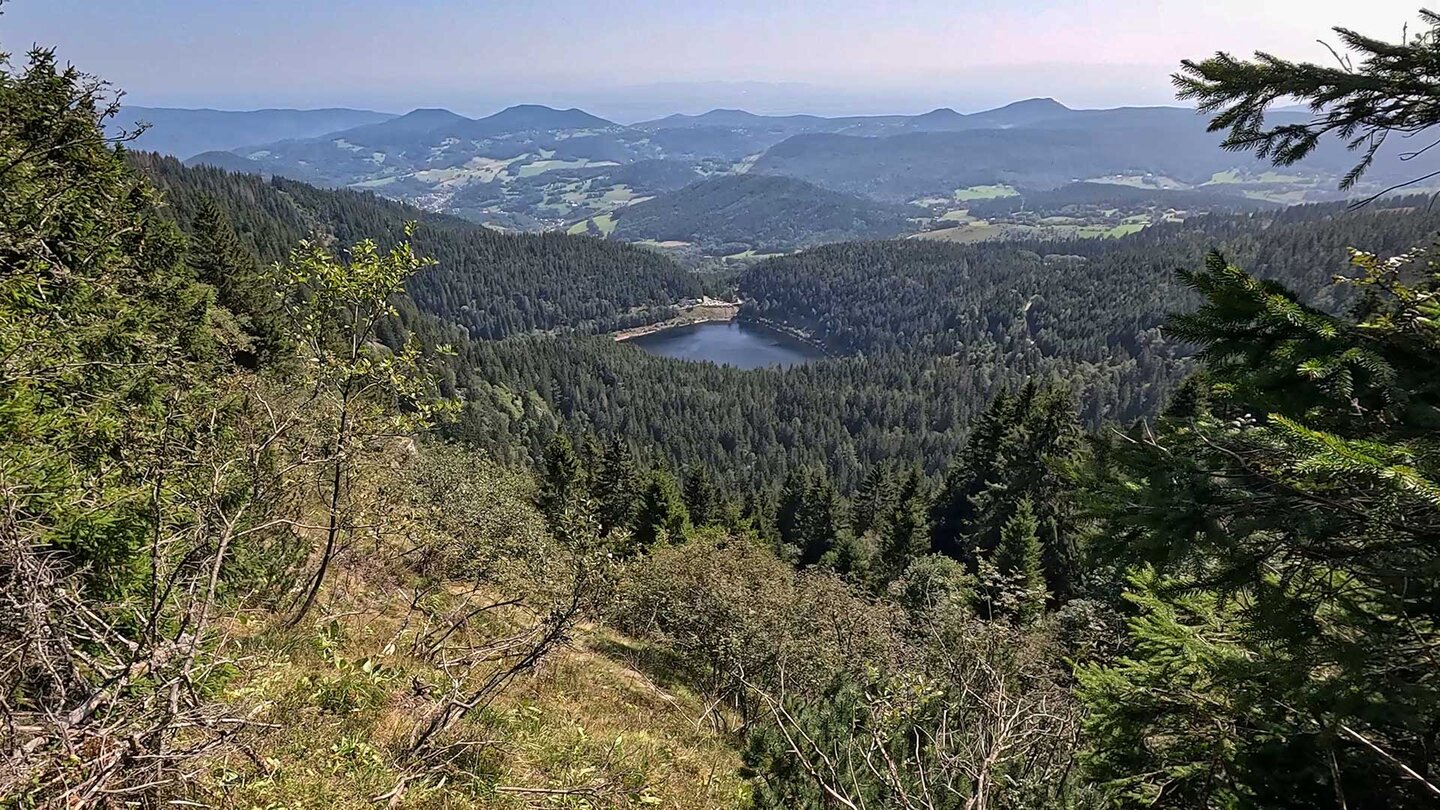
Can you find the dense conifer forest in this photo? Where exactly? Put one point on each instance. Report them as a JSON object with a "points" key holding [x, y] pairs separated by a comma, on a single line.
{"points": [[489, 283], [922, 334], [760, 213]]}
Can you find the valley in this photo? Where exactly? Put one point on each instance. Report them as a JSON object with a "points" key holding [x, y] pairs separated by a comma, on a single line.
{"points": [[701, 186], [735, 344]]}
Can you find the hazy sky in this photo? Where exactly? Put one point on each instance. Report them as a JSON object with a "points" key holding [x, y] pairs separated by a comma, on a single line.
{"points": [[628, 58]]}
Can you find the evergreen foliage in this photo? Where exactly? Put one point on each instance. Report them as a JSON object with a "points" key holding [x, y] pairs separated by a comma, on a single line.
{"points": [[905, 531], [702, 500], [1390, 91], [764, 213], [490, 284], [562, 480], [1291, 525], [104, 332], [662, 518], [1020, 451], [1018, 562], [617, 487], [242, 288]]}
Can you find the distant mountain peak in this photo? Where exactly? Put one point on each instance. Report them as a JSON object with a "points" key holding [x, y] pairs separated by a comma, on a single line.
{"points": [[538, 116], [536, 109], [420, 121], [430, 114], [1020, 113], [938, 116], [1038, 104], [720, 116]]}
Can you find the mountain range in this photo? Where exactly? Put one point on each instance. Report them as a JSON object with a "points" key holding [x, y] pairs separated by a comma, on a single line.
{"points": [[531, 167], [186, 132]]}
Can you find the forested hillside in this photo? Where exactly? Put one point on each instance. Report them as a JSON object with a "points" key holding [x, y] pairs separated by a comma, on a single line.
{"points": [[1164, 141], [760, 213], [186, 133], [1085, 299], [1078, 197], [533, 168], [491, 284], [922, 334]]}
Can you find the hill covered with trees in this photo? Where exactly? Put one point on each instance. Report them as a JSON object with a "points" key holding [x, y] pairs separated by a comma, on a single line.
{"points": [[1079, 299], [490, 283], [765, 214], [922, 333]]}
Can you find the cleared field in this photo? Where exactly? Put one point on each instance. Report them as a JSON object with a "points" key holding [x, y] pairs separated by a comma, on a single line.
{"points": [[487, 169], [542, 166], [984, 192], [619, 194], [751, 254], [981, 231], [1140, 181], [1236, 176], [958, 215], [971, 232], [604, 222]]}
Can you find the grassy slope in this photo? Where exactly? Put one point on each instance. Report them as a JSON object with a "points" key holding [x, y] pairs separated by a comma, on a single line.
{"points": [[586, 730]]}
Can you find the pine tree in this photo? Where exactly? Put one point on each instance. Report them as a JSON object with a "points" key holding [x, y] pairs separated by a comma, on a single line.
{"points": [[618, 488], [906, 536], [662, 518], [701, 497], [876, 501], [1390, 91], [220, 260], [1022, 448], [790, 512], [822, 522], [561, 480], [1054, 445], [849, 557], [953, 514], [1017, 560]]}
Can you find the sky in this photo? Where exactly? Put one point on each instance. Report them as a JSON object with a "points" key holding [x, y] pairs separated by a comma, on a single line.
{"points": [[631, 59]]}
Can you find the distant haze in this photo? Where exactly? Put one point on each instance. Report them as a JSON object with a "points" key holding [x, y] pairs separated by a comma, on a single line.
{"points": [[630, 60]]}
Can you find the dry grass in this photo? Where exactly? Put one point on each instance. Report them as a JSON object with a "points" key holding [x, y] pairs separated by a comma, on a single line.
{"points": [[339, 699]]}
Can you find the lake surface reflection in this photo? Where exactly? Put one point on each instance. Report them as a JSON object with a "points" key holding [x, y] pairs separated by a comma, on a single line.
{"points": [[733, 343]]}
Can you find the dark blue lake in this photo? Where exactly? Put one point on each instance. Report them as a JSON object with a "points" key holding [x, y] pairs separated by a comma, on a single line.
{"points": [[733, 343]]}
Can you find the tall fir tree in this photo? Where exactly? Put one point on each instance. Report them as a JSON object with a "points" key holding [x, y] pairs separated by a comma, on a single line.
{"points": [[906, 534], [562, 480], [823, 525], [701, 497], [662, 518], [953, 514], [1017, 560], [242, 288], [790, 512], [876, 501], [618, 488]]}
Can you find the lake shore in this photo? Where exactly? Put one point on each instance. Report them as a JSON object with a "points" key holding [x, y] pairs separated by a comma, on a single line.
{"points": [[792, 332], [707, 311]]}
